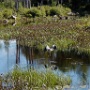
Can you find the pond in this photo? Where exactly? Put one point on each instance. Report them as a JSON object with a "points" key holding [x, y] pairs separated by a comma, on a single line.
{"points": [[12, 54]]}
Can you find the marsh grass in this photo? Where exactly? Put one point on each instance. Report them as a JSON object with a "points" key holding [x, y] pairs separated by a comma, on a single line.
{"points": [[67, 35], [19, 79]]}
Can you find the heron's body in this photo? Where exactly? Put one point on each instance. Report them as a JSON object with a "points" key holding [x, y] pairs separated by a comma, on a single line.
{"points": [[47, 48]]}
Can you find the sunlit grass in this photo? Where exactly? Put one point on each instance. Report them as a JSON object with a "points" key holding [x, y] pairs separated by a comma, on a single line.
{"points": [[19, 79], [65, 34]]}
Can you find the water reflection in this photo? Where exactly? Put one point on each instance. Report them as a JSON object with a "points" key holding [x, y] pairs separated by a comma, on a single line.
{"points": [[12, 53], [7, 53]]}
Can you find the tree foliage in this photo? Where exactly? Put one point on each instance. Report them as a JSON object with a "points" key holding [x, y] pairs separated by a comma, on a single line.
{"points": [[75, 5]]}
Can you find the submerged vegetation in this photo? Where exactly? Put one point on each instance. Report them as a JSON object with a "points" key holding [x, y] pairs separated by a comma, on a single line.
{"points": [[32, 79]]}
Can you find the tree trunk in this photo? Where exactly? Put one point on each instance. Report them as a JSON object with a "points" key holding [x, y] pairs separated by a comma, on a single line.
{"points": [[29, 3], [23, 3], [16, 5], [61, 2], [17, 52], [41, 2], [26, 3], [57, 2], [1, 1]]}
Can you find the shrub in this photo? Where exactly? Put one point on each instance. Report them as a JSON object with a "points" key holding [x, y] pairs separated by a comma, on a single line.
{"points": [[34, 12], [54, 11], [59, 10], [54, 3], [64, 10], [42, 9], [47, 10], [23, 10], [9, 4], [7, 13]]}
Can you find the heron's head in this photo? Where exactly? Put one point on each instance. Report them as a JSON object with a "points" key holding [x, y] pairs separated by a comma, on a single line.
{"points": [[54, 47]]}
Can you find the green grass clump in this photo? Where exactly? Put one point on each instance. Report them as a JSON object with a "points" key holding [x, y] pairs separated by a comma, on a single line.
{"points": [[42, 9], [30, 79], [7, 13], [54, 11], [34, 12]]}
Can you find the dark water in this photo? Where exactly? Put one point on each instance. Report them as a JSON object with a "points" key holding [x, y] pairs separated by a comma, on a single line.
{"points": [[61, 63]]}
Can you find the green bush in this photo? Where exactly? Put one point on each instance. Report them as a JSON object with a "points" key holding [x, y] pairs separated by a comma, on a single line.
{"points": [[7, 13], [64, 10], [54, 11], [34, 12], [8, 4], [59, 10], [54, 3], [23, 10], [42, 9], [47, 10]]}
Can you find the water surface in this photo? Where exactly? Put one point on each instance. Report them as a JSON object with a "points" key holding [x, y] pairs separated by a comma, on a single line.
{"points": [[12, 54]]}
